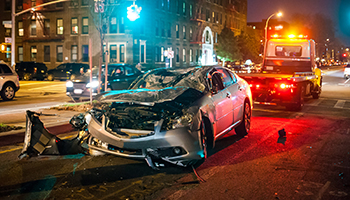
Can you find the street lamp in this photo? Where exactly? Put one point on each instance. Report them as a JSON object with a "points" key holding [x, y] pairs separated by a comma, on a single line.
{"points": [[279, 14]]}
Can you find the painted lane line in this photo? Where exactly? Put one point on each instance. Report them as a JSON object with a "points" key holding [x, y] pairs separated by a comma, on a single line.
{"points": [[323, 189], [340, 104], [316, 102], [9, 150]]}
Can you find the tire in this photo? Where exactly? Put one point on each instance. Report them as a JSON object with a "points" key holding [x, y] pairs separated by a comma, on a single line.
{"points": [[243, 128], [50, 77], [299, 102], [8, 92], [316, 94], [27, 77], [206, 137]]}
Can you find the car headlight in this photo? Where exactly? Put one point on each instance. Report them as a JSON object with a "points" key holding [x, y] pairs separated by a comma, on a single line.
{"points": [[183, 121], [93, 84], [69, 84]]}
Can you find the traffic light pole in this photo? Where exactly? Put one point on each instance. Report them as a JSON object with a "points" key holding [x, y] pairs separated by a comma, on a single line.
{"points": [[13, 21]]}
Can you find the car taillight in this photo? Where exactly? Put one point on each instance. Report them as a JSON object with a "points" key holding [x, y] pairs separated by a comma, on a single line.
{"points": [[256, 86], [35, 69]]}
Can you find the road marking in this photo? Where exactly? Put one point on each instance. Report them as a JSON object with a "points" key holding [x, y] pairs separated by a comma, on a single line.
{"points": [[316, 102], [340, 104], [323, 189], [50, 86], [9, 150]]}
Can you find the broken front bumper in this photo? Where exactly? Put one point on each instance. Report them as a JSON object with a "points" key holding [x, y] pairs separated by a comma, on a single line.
{"points": [[179, 146]]}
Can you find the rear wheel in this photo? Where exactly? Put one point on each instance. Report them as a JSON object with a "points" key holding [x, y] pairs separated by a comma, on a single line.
{"points": [[243, 128], [8, 92], [72, 77], [50, 77]]}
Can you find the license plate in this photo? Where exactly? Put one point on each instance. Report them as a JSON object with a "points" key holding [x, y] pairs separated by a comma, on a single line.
{"points": [[78, 91], [269, 68]]}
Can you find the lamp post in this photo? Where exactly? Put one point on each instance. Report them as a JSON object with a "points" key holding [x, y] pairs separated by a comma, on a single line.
{"points": [[266, 25]]}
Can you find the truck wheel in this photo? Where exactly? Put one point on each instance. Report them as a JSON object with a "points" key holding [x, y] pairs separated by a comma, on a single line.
{"points": [[50, 77], [27, 77], [296, 106], [317, 93], [243, 128]]}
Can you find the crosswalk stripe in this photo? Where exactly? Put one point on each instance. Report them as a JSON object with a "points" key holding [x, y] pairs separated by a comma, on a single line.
{"points": [[316, 102], [340, 104]]}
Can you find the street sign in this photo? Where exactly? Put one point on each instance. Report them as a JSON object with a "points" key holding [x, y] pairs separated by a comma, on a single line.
{"points": [[8, 40], [170, 54]]}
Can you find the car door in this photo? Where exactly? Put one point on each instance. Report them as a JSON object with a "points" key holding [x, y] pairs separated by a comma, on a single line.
{"points": [[130, 74], [118, 79], [221, 98], [60, 72], [238, 96]]}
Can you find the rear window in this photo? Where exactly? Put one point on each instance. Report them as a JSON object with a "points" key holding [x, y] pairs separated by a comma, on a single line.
{"points": [[5, 69], [288, 51]]}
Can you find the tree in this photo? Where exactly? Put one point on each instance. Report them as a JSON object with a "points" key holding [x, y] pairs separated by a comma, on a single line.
{"points": [[249, 44], [228, 49]]}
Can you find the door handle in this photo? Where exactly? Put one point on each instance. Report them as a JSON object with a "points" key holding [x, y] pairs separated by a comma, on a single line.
{"points": [[228, 95], [240, 88]]}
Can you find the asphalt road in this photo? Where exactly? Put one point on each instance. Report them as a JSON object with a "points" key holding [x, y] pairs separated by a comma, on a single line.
{"points": [[313, 162]]}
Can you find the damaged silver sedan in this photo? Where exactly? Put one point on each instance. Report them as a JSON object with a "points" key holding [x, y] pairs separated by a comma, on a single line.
{"points": [[171, 114]]}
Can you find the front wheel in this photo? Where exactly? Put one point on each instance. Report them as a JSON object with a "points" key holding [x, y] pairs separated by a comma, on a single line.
{"points": [[8, 92], [27, 77], [243, 128], [50, 77]]}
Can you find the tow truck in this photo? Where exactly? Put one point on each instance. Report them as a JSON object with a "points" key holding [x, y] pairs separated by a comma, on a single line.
{"points": [[288, 74]]}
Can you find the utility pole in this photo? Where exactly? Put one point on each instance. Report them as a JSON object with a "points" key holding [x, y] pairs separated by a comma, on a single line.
{"points": [[13, 21]]}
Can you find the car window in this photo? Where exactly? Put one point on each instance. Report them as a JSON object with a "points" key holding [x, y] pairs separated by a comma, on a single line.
{"points": [[226, 78], [119, 71], [4, 69], [129, 71], [233, 76], [61, 67], [215, 80]]}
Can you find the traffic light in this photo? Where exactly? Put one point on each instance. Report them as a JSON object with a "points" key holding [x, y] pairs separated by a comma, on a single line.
{"points": [[133, 12]]}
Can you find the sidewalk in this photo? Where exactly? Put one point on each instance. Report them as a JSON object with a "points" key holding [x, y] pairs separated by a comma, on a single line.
{"points": [[56, 124]]}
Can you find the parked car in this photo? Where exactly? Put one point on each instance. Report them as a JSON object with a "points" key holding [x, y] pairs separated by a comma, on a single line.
{"points": [[31, 70], [347, 71], [67, 71], [171, 114], [9, 82], [120, 76]]}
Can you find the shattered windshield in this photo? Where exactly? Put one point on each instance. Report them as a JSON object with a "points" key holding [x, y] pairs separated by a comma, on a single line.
{"points": [[158, 79]]}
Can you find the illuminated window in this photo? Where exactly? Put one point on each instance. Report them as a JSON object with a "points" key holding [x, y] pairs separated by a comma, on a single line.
{"points": [[191, 33], [74, 23], [85, 28], [113, 53], [33, 28], [33, 52], [59, 53], [8, 49], [161, 54], [113, 25], [60, 27], [184, 55], [184, 8], [184, 31], [74, 53], [177, 30], [20, 28], [191, 55], [122, 53], [191, 10]]}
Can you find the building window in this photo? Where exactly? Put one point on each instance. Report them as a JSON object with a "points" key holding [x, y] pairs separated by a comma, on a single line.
{"points": [[157, 27], [184, 55], [33, 52], [113, 53], [8, 32], [20, 28], [207, 15], [60, 27], [85, 28], [20, 54], [169, 29], [162, 28], [84, 2], [168, 4], [46, 27], [74, 23], [113, 25], [74, 53], [177, 30], [46, 53], [121, 25], [161, 54], [177, 55], [33, 28], [8, 5], [8, 49], [157, 54], [191, 55], [122, 53], [191, 10], [33, 3], [177, 6], [184, 31], [85, 53], [191, 33], [216, 37], [184, 8], [142, 53], [59, 53]]}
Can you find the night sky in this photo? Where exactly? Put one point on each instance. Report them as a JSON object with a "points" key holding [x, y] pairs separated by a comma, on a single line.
{"points": [[337, 10]]}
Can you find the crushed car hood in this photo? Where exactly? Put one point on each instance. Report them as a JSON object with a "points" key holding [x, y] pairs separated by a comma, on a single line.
{"points": [[143, 96]]}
